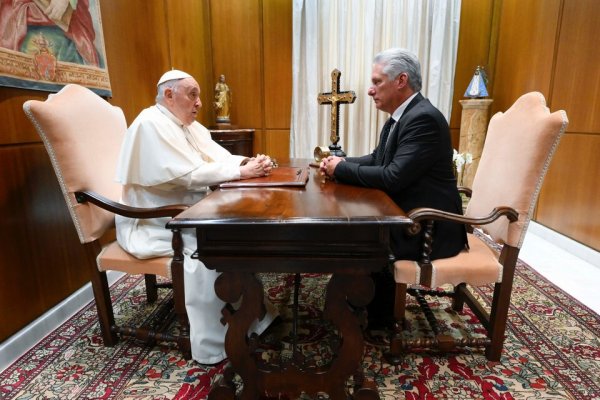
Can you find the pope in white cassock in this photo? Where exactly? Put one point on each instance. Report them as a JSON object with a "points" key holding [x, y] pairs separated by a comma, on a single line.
{"points": [[169, 158]]}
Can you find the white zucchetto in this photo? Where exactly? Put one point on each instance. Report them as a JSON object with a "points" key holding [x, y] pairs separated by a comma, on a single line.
{"points": [[171, 75]]}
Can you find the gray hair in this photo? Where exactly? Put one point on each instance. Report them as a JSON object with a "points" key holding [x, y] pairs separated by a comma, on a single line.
{"points": [[160, 92], [396, 61]]}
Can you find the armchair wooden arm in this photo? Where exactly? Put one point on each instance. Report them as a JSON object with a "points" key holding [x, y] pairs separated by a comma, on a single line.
{"points": [[128, 211], [427, 216], [423, 214]]}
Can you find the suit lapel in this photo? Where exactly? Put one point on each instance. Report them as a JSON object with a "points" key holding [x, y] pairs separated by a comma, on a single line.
{"points": [[396, 132]]}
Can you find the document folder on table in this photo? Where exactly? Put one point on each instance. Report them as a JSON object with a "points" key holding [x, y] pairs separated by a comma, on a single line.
{"points": [[280, 176]]}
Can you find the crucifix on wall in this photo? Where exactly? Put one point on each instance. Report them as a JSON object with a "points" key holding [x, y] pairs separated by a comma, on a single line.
{"points": [[335, 98]]}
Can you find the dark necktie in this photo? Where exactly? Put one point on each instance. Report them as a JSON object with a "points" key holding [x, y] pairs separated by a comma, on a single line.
{"points": [[385, 132]]}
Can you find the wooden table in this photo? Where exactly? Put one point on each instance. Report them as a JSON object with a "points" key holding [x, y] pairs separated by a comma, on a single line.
{"points": [[324, 227]]}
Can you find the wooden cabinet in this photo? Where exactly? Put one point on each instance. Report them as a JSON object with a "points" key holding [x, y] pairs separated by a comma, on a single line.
{"points": [[237, 141]]}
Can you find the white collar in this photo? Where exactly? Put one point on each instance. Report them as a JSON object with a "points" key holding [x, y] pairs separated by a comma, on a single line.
{"points": [[400, 110], [170, 115]]}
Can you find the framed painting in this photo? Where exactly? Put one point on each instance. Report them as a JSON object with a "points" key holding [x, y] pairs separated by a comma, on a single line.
{"points": [[46, 44]]}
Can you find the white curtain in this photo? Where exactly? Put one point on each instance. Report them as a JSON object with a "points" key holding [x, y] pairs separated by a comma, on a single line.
{"points": [[346, 34]]}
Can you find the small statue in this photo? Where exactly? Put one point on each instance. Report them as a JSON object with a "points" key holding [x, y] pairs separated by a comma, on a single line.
{"points": [[222, 101], [477, 85]]}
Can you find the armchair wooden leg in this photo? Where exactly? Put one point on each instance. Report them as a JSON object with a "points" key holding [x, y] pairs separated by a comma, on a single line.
{"points": [[394, 356], [101, 297], [498, 318], [500, 304], [400, 302], [458, 300], [104, 308], [151, 288]]}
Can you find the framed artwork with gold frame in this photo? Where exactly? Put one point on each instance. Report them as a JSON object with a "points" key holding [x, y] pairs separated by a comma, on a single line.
{"points": [[46, 44]]}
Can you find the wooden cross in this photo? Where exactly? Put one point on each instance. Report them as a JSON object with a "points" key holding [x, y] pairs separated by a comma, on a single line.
{"points": [[335, 98]]}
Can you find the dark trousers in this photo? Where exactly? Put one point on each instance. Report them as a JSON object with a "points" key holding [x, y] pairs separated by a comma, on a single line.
{"points": [[381, 309]]}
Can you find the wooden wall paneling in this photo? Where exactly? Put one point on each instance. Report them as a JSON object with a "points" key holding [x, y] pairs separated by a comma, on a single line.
{"points": [[570, 195], [576, 87], [277, 142], [54, 241], [42, 259], [236, 49], [137, 51], [259, 143], [191, 51], [277, 38], [16, 128], [526, 44], [17, 280], [474, 39]]}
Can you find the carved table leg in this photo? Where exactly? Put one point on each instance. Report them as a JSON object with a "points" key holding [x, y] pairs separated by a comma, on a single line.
{"points": [[223, 389], [230, 287], [358, 291], [292, 379]]}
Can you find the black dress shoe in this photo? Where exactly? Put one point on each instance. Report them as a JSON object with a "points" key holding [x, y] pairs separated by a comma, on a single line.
{"points": [[380, 323], [272, 326]]}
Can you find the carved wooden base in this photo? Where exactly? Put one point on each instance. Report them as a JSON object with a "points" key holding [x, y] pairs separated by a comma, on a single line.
{"points": [[293, 376], [439, 342]]}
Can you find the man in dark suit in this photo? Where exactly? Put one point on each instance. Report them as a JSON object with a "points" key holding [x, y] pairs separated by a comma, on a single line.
{"points": [[412, 163]]}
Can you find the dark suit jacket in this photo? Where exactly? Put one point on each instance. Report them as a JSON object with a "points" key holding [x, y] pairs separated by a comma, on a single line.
{"points": [[417, 171]]}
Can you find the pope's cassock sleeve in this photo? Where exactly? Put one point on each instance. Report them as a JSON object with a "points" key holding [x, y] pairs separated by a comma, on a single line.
{"points": [[158, 149]]}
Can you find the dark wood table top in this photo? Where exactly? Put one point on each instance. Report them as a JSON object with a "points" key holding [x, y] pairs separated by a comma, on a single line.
{"points": [[321, 201]]}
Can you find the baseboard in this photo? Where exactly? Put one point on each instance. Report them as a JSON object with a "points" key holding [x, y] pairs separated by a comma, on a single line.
{"points": [[571, 246], [14, 347]]}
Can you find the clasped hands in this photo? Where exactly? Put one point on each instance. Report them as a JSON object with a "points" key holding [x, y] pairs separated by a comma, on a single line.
{"points": [[255, 167], [328, 164]]}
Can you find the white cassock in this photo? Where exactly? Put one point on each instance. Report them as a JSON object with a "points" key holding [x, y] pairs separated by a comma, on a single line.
{"points": [[164, 162]]}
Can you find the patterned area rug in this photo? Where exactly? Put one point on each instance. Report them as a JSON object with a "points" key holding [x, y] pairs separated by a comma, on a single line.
{"points": [[552, 351]]}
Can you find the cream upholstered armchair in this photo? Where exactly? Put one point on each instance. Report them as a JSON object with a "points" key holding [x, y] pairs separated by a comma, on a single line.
{"points": [[517, 152], [82, 134]]}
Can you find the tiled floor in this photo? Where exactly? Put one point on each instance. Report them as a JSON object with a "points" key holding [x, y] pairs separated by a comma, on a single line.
{"points": [[566, 263]]}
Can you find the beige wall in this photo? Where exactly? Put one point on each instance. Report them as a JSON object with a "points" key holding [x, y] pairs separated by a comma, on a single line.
{"points": [[541, 45]]}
